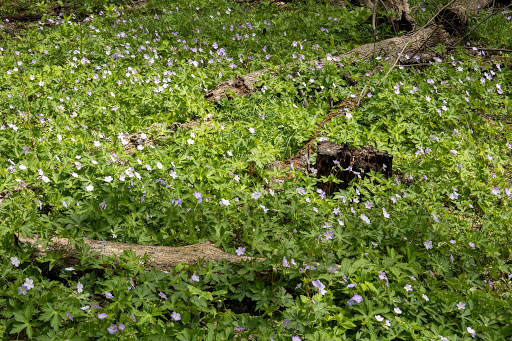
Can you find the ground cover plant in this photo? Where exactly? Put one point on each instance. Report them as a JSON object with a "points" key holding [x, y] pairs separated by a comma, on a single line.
{"points": [[105, 133]]}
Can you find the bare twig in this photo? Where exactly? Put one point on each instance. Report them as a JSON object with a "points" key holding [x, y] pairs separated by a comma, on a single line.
{"points": [[480, 23]]}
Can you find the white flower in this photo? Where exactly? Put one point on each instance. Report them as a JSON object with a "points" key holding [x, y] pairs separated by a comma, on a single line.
{"points": [[74, 175], [190, 141], [124, 141], [251, 130], [379, 318], [471, 331], [159, 165], [108, 179], [97, 144], [425, 297], [384, 213], [365, 219], [45, 178], [22, 167], [89, 188], [140, 147], [143, 136], [41, 83], [224, 203]]}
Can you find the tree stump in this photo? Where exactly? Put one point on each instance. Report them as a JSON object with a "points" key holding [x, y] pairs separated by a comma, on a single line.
{"points": [[347, 163]]}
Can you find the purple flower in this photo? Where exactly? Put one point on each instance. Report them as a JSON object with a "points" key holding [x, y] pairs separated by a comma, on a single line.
{"points": [[108, 295], [296, 338], [408, 287], [472, 245], [428, 244], [351, 285], [69, 316], [102, 316], [198, 196], [15, 261], [397, 310], [320, 286], [240, 251], [355, 300], [121, 326], [461, 305], [301, 191], [112, 329], [80, 287], [285, 263], [194, 278], [161, 294], [175, 316]]}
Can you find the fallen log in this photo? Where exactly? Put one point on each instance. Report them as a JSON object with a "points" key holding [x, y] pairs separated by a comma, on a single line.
{"points": [[161, 257], [448, 23]]}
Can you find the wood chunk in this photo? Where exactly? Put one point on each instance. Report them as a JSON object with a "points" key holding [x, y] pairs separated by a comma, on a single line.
{"points": [[348, 163]]}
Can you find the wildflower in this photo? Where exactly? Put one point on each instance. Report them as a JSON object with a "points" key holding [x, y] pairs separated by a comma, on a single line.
{"points": [[355, 300], [161, 294], [379, 318], [408, 287], [173, 174], [285, 263], [495, 190], [224, 203], [296, 338], [425, 297], [89, 188], [251, 130], [69, 316], [198, 196], [194, 278], [382, 275], [121, 326], [102, 316], [256, 195], [108, 179], [79, 287], [190, 141], [15, 261], [112, 329], [320, 286], [461, 305], [397, 310], [29, 283], [108, 295], [365, 219], [22, 290], [472, 245], [301, 191], [175, 316], [351, 285], [384, 213], [428, 244], [453, 152], [471, 331], [240, 251]]}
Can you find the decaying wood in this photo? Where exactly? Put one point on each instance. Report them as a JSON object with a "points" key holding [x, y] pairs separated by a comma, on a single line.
{"points": [[240, 86], [346, 163], [454, 18], [161, 257], [401, 21], [450, 21]]}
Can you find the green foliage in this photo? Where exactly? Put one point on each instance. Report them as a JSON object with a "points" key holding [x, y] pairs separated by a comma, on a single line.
{"points": [[424, 255]]}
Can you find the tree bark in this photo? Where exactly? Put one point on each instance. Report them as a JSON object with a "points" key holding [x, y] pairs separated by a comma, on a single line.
{"points": [[161, 257], [401, 21]]}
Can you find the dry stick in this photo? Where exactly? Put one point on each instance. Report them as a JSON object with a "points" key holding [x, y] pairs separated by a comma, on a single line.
{"points": [[480, 23], [26, 99]]}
